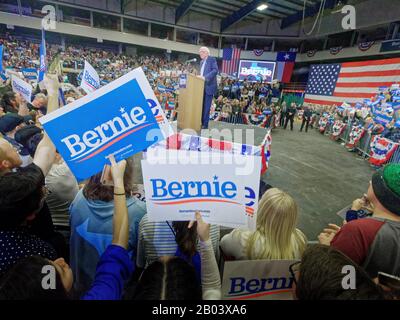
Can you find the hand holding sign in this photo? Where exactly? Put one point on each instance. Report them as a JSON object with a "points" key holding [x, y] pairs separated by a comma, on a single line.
{"points": [[203, 228], [117, 172]]}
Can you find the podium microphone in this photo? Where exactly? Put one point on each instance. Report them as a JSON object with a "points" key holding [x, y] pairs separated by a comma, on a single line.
{"points": [[191, 60]]}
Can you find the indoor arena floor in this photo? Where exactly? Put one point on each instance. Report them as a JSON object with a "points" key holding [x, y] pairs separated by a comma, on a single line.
{"points": [[320, 174]]}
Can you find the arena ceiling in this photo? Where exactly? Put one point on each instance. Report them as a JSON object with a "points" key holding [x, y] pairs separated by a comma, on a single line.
{"points": [[223, 8], [233, 11]]}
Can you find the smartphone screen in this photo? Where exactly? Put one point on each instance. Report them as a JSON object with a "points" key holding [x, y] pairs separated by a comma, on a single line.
{"points": [[389, 280]]}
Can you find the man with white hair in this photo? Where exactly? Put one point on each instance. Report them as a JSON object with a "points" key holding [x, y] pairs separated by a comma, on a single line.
{"points": [[208, 72], [39, 103]]}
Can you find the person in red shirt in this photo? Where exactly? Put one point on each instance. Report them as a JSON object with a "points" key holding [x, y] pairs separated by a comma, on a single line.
{"points": [[373, 242]]}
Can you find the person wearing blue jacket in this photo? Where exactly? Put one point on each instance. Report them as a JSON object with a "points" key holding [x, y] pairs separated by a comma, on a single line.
{"points": [[208, 72], [91, 220], [27, 281]]}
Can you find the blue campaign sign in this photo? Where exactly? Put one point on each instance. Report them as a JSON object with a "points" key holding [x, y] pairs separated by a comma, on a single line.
{"points": [[256, 70], [116, 119], [30, 73]]}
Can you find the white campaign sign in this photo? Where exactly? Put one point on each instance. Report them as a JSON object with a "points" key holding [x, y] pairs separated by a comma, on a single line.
{"points": [[257, 280], [21, 87], [90, 79], [207, 182]]}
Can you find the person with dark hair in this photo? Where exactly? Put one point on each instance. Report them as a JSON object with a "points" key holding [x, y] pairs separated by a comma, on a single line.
{"points": [[29, 137], [22, 186], [91, 212], [373, 242], [306, 118], [10, 102], [158, 239], [182, 282], [319, 276], [172, 278], [186, 239], [10, 124], [22, 198], [290, 113], [25, 279]]}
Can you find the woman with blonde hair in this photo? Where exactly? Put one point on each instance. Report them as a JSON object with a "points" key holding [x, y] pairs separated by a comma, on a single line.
{"points": [[276, 236]]}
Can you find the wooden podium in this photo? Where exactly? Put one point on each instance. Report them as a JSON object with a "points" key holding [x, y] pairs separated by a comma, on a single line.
{"points": [[191, 104]]}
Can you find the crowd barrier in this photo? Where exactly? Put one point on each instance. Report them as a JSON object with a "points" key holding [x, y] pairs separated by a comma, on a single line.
{"points": [[363, 147], [263, 121]]}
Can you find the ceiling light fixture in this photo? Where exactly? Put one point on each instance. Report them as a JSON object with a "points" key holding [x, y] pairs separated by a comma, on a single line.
{"points": [[262, 7]]}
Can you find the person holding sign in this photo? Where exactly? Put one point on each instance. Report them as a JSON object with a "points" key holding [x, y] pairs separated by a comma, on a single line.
{"points": [[276, 236], [113, 270], [172, 278], [91, 220]]}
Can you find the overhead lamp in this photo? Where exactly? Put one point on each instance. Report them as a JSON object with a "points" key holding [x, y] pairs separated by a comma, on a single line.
{"points": [[262, 7]]}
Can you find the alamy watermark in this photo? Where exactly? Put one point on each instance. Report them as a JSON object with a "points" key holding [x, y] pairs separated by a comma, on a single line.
{"points": [[349, 280], [49, 21], [349, 20], [49, 278]]}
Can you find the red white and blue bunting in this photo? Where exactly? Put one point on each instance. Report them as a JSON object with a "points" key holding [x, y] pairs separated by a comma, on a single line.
{"points": [[335, 50], [365, 46], [323, 122], [258, 52], [256, 120], [311, 53], [337, 130], [357, 132], [381, 150], [181, 141]]}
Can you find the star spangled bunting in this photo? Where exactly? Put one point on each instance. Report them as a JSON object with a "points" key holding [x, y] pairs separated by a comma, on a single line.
{"points": [[182, 141], [194, 144], [217, 145]]}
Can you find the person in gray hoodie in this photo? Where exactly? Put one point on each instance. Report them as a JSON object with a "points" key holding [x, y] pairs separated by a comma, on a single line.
{"points": [[91, 218]]}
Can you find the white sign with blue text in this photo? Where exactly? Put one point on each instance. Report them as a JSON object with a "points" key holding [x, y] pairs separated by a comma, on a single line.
{"points": [[21, 87], [118, 119], [179, 183], [90, 78], [257, 280]]}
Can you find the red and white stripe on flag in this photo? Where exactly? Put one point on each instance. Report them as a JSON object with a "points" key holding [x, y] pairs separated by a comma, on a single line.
{"points": [[230, 62], [358, 81]]}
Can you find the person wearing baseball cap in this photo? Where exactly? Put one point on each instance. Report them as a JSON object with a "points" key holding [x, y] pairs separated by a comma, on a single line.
{"points": [[10, 123], [373, 242]]}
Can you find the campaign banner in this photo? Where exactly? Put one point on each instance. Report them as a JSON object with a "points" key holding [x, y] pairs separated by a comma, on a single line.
{"points": [[180, 183], [257, 280], [43, 57], [30, 73], [256, 70], [90, 79], [121, 118], [21, 87]]}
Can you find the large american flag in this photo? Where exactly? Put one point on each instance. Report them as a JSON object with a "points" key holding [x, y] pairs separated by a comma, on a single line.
{"points": [[350, 82], [230, 60]]}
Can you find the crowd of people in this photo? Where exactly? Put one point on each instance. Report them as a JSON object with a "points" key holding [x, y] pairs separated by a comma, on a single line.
{"points": [[102, 245]]}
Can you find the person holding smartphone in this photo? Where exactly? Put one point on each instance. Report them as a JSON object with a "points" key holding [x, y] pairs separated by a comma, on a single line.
{"points": [[372, 242]]}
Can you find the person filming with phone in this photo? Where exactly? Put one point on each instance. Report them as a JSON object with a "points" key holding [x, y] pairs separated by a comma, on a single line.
{"points": [[373, 242]]}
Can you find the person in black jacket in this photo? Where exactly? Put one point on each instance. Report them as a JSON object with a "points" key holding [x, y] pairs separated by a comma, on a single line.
{"points": [[306, 118], [291, 111]]}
